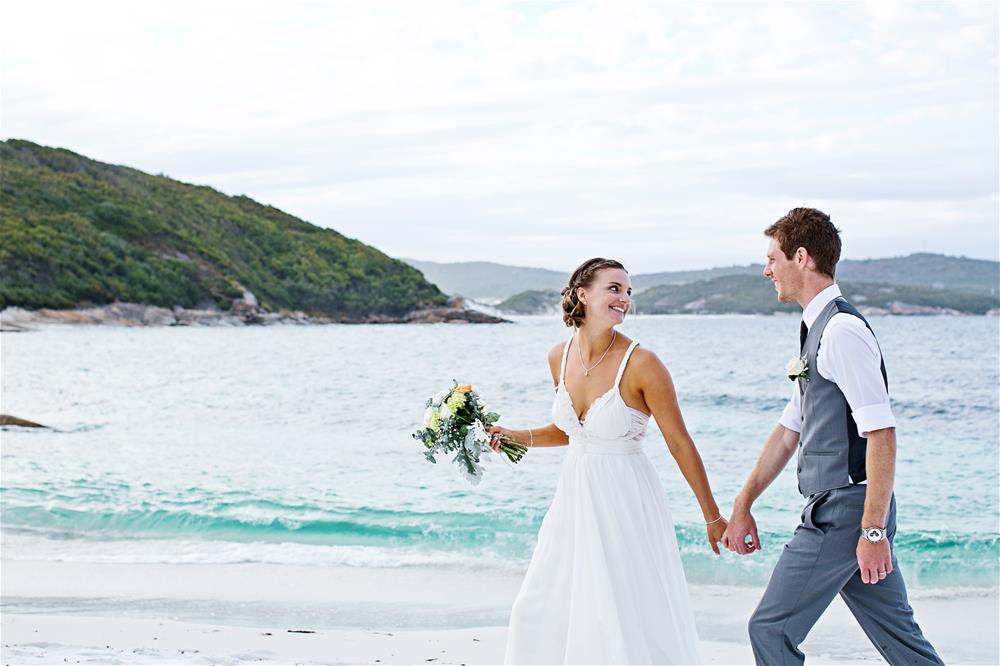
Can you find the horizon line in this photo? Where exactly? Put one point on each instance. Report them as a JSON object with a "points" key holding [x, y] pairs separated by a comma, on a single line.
{"points": [[687, 270]]}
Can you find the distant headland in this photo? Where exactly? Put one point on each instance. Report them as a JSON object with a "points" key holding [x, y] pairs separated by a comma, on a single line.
{"points": [[98, 243]]}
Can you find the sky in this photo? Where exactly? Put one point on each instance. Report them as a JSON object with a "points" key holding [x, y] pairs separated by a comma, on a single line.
{"points": [[666, 135]]}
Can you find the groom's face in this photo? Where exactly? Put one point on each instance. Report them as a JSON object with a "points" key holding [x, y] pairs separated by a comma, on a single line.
{"points": [[783, 272]]}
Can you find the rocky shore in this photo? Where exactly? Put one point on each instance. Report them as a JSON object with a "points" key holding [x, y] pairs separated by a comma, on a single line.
{"points": [[245, 312]]}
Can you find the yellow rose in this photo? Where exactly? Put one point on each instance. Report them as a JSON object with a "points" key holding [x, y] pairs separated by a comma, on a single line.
{"points": [[464, 388]]}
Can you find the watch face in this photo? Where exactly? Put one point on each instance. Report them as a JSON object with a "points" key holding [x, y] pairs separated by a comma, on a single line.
{"points": [[873, 534]]}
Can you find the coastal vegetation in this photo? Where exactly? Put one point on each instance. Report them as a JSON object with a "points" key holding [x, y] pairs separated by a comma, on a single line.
{"points": [[531, 302], [491, 282], [752, 294], [79, 232]]}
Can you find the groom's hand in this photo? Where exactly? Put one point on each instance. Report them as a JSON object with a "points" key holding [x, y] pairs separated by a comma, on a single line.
{"points": [[741, 526], [874, 560]]}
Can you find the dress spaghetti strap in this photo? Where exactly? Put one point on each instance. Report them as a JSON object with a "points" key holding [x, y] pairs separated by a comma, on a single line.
{"points": [[562, 368], [621, 368]]}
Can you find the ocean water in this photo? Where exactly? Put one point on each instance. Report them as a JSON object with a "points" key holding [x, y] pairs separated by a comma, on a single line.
{"points": [[291, 445]]}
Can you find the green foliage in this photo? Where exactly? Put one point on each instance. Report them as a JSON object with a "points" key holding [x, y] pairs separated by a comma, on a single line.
{"points": [[752, 294], [531, 302], [78, 231], [488, 281], [741, 294]]}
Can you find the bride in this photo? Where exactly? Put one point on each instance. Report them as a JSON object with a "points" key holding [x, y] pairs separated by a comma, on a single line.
{"points": [[605, 583]]}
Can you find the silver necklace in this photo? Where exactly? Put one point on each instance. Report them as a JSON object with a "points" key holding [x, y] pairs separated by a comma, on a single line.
{"points": [[579, 349]]}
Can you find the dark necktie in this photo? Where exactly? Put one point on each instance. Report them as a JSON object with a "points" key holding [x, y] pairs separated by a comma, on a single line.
{"points": [[803, 332]]}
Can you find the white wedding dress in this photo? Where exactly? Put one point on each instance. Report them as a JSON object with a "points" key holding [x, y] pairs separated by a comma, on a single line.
{"points": [[605, 584]]}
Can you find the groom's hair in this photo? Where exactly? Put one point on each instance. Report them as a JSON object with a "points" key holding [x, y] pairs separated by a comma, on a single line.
{"points": [[583, 276], [811, 229]]}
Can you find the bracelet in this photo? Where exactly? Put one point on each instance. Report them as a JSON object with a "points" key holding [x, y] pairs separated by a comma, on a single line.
{"points": [[716, 520], [531, 439]]}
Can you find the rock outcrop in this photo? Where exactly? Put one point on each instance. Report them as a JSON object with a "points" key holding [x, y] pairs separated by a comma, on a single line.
{"points": [[456, 311], [8, 420], [244, 312]]}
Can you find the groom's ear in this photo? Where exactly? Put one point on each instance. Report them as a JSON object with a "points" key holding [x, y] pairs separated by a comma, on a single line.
{"points": [[803, 259]]}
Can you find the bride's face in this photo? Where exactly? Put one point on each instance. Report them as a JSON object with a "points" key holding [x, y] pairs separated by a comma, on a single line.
{"points": [[608, 299]]}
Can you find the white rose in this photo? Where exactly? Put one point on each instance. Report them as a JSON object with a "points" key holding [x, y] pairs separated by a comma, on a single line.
{"points": [[444, 410], [795, 367], [439, 397], [428, 417]]}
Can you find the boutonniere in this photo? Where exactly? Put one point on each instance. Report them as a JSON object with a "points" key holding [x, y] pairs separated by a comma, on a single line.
{"points": [[797, 368]]}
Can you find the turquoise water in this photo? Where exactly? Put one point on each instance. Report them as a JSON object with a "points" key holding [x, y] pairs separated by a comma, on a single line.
{"points": [[292, 444]]}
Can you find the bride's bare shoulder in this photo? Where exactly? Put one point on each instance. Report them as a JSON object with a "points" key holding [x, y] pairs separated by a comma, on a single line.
{"points": [[555, 360], [647, 363], [556, 353]]}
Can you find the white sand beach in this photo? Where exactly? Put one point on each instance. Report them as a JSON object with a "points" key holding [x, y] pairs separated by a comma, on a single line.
{"points": [[151, 613]]}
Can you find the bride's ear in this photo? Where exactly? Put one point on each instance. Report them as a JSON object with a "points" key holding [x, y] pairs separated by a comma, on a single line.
{"points": [[581, 295]]}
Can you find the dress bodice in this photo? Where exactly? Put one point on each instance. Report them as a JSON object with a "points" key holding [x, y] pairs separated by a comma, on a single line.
{"points": [[608, 425]]}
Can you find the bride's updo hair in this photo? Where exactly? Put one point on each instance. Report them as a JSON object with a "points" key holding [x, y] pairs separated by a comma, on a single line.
{"points": [[583, 276]]}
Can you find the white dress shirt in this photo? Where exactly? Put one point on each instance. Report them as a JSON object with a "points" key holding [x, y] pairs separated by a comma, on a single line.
{"points": [[850, 358]]}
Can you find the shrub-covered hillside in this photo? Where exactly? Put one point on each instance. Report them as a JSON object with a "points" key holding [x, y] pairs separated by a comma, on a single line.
{"points": [[76, 231]]}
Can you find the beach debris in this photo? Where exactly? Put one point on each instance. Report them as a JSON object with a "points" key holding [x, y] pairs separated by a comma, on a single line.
{"points": [[265, 633], [7, 419], [301, 631]]}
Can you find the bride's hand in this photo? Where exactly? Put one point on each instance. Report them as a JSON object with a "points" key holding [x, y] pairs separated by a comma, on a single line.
{"points": [[715, 532], [495, 432]]}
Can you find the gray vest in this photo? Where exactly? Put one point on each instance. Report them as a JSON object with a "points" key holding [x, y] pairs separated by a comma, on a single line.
{"points": [[831, 452]]}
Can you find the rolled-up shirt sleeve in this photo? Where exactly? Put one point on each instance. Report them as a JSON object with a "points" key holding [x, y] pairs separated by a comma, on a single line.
{"points": [[791, 418], [850, 357]]}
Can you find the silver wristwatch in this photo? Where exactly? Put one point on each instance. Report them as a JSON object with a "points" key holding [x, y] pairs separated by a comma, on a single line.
{"points": [[873, 534]]}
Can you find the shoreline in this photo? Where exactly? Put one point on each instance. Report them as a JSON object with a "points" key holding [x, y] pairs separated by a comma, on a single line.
{"points": [[236, 613], [133, 315], [138, 315]]}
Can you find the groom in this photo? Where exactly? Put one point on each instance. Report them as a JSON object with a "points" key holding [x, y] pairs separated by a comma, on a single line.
{"points": [[840, 422]]}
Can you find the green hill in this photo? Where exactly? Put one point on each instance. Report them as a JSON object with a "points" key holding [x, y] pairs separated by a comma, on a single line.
{"points": [[750, 294], [494, 282], [77, 231], [532, 302], [920, 269]]}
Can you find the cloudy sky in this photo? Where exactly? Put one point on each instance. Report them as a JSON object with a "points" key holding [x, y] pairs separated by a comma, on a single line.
{"points": [[664, 134]]}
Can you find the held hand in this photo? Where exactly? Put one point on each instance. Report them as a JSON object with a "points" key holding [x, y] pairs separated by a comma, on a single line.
{"points": [[495, 432], [874, 560], [741, 526], [715, 532]]}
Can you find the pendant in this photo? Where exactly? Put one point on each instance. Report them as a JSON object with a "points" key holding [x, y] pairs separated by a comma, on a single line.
{"points": [[586, 373]]}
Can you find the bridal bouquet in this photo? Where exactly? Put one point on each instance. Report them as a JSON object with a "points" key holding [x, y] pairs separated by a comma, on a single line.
{"points": [[455, 422]]}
